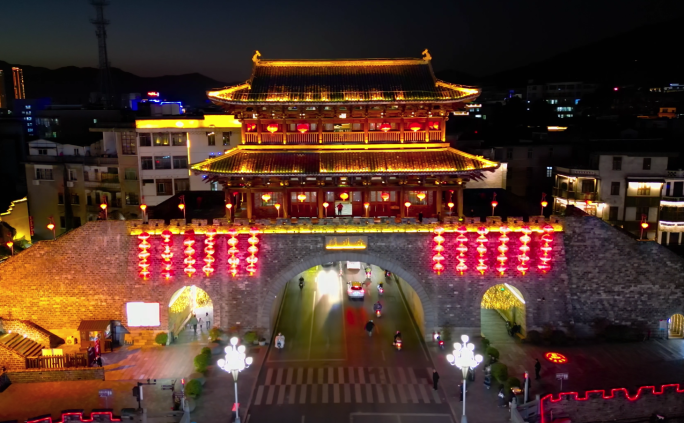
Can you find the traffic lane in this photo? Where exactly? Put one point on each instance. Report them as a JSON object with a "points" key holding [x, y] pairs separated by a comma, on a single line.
{"points": [[327, 331], [346, 413]]}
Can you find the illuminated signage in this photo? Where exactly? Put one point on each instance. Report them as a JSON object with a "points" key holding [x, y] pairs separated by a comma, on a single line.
{"points": [[143, 314], [346, 243], [153, 93], [555, 357]]}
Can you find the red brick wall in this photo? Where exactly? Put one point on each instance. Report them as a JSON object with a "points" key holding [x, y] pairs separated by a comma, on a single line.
{"points": [[31, 332], [11, 360], [60, 375]]}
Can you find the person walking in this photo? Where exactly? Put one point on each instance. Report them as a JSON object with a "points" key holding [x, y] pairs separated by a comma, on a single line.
{"points": [[193, 323], [502, 397], [435, 379], [200, 324], [208, 322], [369, 327], [339, 209], [98, 360], [280, 341], [537, 368]]}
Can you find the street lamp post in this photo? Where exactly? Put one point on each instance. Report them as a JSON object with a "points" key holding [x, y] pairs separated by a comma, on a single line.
{"points": [[235, 362], [10, 245], [464, 358]]}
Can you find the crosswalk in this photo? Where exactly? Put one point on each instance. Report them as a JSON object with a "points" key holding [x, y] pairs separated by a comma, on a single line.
{"points": [[337, 385]]}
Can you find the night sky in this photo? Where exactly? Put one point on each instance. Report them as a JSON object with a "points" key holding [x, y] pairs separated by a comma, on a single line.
{"points": [[218, 37]]}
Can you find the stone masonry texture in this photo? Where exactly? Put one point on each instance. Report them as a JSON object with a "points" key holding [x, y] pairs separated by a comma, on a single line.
{"points": [[56, 375], [92, 272]]}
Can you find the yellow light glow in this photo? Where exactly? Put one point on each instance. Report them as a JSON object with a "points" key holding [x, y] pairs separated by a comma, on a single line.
{"points": [[346, 244], [11, 206], [209, 121]]}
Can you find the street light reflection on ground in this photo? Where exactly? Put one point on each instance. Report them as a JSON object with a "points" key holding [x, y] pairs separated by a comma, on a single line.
{"points": [[328, 283]]}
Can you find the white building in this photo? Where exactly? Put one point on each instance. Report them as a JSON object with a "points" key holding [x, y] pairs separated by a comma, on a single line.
{"points": [[167, 146]]}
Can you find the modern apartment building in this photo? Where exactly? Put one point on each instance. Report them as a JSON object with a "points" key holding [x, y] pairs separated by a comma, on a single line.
{"points": [[3, 98], [671, 224], [621, 188], [18, 79], [563, 96]]}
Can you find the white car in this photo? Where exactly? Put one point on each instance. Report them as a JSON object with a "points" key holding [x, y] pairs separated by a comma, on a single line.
{"points": [[355, 290]]}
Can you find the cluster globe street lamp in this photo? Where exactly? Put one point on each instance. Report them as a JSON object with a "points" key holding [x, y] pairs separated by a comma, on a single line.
{"points": [[464, 358], [235, 362]]}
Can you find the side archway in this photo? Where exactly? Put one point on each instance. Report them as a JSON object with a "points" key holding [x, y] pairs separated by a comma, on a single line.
{"points": [[276, 284], [503, 303], [184, 302]]}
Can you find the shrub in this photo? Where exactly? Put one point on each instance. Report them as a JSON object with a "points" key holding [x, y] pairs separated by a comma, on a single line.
{"points": [[558, 337], [533, 337], [485, 344], [446, 334], [511, 382], [215, 333], [193, 389], [161, 338], [206, 351], [492, 352], [201, 363], [250, 337], [500, 372]]}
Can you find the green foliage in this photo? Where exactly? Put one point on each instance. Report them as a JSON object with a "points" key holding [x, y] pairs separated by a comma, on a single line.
{"points": [[201, 362], [193, 389], [161, 338], [206, 351], [533, 337], [250, 337], [492, 352], [485, 344], [511, 382], [500, 372], [215, 333], [446, 334]]}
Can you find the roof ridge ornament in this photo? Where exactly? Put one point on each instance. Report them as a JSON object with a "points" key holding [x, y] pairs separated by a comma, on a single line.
{"points": [[256, 56], [425, 53]]}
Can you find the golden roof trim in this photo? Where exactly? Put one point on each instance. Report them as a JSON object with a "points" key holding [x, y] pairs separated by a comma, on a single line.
{"points": [[339, 62]]}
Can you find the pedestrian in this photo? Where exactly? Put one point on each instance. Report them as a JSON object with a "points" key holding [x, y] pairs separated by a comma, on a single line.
{"points": [[435, 379], [193, 323], [513, 402], [339, 209], [98, 360], [537, 368], [420, 217], [280, 341], [208, 322], [200, 324], [502, 397], [369, 327]]}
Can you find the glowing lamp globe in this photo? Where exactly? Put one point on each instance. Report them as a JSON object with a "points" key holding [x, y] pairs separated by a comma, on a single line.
{"points": [[272, 127], [544, 203], [644, 225], [407, 204], [103, 206], [385, 196], [251, 127], [181, 206], [326, 204], [301, 198], [277, 206], [415, 126], [344, 196], [495, 203], [451, 205], [266, 197], [9, 244], [143, 207], [50, 226], [434, 125], [366, 205], [421, 196], [384, 127], [303, 127], [229, 206]]}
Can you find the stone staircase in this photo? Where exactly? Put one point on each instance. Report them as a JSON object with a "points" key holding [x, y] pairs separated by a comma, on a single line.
{"points": [[20, 345]]}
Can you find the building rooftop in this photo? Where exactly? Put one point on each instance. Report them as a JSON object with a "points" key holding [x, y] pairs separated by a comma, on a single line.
{"points": [[343, 160], [362, 81]]}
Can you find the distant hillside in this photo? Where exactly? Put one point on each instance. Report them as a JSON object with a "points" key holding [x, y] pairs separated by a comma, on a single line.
{"points": [[645, 55], [456, 77], [72, 85]]}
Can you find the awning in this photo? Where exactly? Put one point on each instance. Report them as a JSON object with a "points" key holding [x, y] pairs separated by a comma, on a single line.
{"points": [[94, 325]]}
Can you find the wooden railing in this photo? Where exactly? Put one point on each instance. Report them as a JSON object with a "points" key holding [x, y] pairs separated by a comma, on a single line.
{"points": [[383, 136], [342, 136], [269, 138], [251, 137], [435, 135], [305, 138], [414, 136], [57, 361]]}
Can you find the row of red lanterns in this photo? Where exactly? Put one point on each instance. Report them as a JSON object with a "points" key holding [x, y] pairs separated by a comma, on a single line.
{"points": [[305, 127]]}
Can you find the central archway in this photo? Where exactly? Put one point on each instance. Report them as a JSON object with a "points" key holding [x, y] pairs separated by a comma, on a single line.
{"points": [[503, 309], [185, 303], [276, 284]]}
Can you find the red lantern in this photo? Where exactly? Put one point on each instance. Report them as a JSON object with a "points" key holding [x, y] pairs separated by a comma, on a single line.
{"points": [[462, 249], [434, 125], [272, 127], [384, 127], [189, 252], [421, 196], [415, 126], [301, 198], [495, 203], [166, 254], [385, 196], [503, 248], [252, 259], [143, 255], [438, 258], [303, 127], [209, 251], [481, 249], [344, 196], [250, 127], [232, 250], [523, 258], [544, 203], [547, 237]]}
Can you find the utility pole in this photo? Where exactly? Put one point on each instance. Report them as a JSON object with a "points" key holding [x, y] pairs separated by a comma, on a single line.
{"points": [[105, 76]]}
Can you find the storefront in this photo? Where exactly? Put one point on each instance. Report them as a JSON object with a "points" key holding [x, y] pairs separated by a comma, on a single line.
{"points": [[101, 335]]}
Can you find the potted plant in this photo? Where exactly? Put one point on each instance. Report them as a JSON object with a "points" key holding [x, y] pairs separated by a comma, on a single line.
{"points": [[262, 341], [162, 338], [251, 338]]}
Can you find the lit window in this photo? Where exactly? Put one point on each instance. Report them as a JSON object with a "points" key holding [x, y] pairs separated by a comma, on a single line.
{"points": [[644, 189], [549, 171]]}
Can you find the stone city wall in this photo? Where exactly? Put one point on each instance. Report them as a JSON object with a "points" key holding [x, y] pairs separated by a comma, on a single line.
{"points": [[56, 375], [614, 405]]}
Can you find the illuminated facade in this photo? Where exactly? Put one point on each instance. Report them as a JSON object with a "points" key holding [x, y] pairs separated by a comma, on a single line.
{"points": [[18, 79], [343, 138]]}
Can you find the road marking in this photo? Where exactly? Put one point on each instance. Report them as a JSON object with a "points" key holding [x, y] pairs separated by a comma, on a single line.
{"points": [[313, 313], [357, 393], [269, 374], [340, 374], [279, 376], [303, 419], [381, 396], [381, 372], [324, 394], [269, 396], [436, 397], [391, 376], [331, 378], [423, 394], [321, 375], [290, 373], [300, 375], [402, 375], [351, 374], [402, 393], [259, 395], [412, 393], [309, 376], [302, 395], [362, 378], [369, 394], [411, 375], [293, 394], [336, 393], [347, 393], [392, 397], [371, 376], [281, 394]]}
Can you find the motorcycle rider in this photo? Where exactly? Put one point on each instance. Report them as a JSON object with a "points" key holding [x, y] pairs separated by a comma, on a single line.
{"points": [[301, 282], [377, 306], [397, 336], [369, 327]]}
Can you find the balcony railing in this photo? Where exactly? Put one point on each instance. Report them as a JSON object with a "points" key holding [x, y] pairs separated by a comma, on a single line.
{"points": [[343, 136], [384, 136], [574, 195], [340, 137], [86, 160], [305, 138], [251, 138]]}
